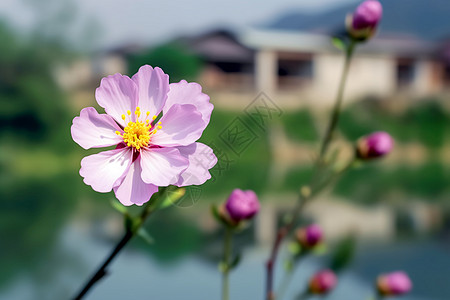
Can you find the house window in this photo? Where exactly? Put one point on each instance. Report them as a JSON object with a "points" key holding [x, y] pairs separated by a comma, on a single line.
{"points": [[294, 70], [405, 72], [446, 74]]}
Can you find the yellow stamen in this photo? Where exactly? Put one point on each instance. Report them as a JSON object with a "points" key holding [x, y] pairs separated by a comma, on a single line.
{"points": [[137, 134]]}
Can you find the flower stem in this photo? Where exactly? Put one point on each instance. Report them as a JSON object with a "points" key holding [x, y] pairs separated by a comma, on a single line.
{"points": [[316, 186], [227, 249], [130, 232], [287, 278], [338, 103], [378, 296], [102, 270]]}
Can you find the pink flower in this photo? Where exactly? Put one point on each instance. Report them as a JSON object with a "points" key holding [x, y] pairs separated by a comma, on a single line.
{"points": [[395, 283], [149, 152], [242, 205], [322, 282]]}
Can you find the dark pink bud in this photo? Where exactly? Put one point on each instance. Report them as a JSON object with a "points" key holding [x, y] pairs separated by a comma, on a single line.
{"points": [[374, 145], [395, 283], [242, 204], [322, 282], [362, 24], [309, 236], [367, 15]]}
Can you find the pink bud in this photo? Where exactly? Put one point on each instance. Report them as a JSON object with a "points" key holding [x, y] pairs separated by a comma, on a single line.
{"points": [[322, 282], [374, 145], [309, 236], [395, 283], [242, 205], [362, 24]]}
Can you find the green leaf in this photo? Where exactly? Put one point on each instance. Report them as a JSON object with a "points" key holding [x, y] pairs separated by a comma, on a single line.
{"points": [[288, 265], [145, 235], [320, 249], [172, 197], [235, 262], [216, 214], [294, 248], [344, 253], [338, 43], [223, 267], [118, 206]]}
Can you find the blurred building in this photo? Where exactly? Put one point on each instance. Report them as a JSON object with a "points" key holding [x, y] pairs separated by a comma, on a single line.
{"points": [[282, 63], [293, 58]]}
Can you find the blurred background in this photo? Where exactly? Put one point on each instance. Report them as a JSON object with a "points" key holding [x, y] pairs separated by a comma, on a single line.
{"points": [[272, 73]]}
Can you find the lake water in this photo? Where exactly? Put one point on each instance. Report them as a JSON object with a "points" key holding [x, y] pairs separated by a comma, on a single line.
{"points": [[135, 274]]}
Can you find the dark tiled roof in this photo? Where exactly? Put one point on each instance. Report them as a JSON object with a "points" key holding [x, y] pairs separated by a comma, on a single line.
{"points": [[424, 19]]}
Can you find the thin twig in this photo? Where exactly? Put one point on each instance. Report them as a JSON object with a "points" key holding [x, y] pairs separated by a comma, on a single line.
{"points": [[227, 249], [130, 232], [319, 167]]}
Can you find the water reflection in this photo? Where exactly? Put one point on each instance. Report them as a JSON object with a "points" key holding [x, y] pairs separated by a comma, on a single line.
{"points": [[182, 264]]}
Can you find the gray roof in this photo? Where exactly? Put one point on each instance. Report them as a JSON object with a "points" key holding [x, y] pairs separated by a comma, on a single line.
{"points": [[422, 19], [284, 40]]}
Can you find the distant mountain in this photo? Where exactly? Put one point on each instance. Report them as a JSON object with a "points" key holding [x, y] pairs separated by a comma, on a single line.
{"points": [[425, 19]]}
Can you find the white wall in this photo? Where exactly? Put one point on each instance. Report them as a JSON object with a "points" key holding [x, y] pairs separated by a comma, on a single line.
{"points": [[374, 75]]}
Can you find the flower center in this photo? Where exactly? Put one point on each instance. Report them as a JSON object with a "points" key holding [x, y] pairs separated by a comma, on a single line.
{"points": [[137, 134]]}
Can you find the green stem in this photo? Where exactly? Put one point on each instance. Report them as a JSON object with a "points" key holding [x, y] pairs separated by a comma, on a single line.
{"points": [[378, 296], [315, 186], [304, 296], [130, 232], [284, 284], [338, 103], [227, 249]]}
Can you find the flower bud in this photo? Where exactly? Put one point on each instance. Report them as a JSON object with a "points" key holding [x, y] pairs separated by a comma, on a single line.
{"points": [[322, 282], [374, 145], [242, 205], [363, 22], [394, 284], [309, 236]]}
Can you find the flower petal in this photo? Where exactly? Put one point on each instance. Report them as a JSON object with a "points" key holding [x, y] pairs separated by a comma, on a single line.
{"points": [[103, 170], [162, 166], [201, 159], [185, 92], [182, 125], [153, 86], [94, 130], [117, 94], [133, 190]]}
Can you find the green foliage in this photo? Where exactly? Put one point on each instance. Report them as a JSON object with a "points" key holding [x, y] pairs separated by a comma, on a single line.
{"points": [[31, 218], [247, 169], [425, 122], [170, 227], [343, 254], [297, 177], [173, 58], [37, 189], [371, 184], [429, 123], [300, 126], [33, 105]]}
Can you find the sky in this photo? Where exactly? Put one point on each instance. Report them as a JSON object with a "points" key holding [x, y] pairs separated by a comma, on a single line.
{"points": [[110, 23]]}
